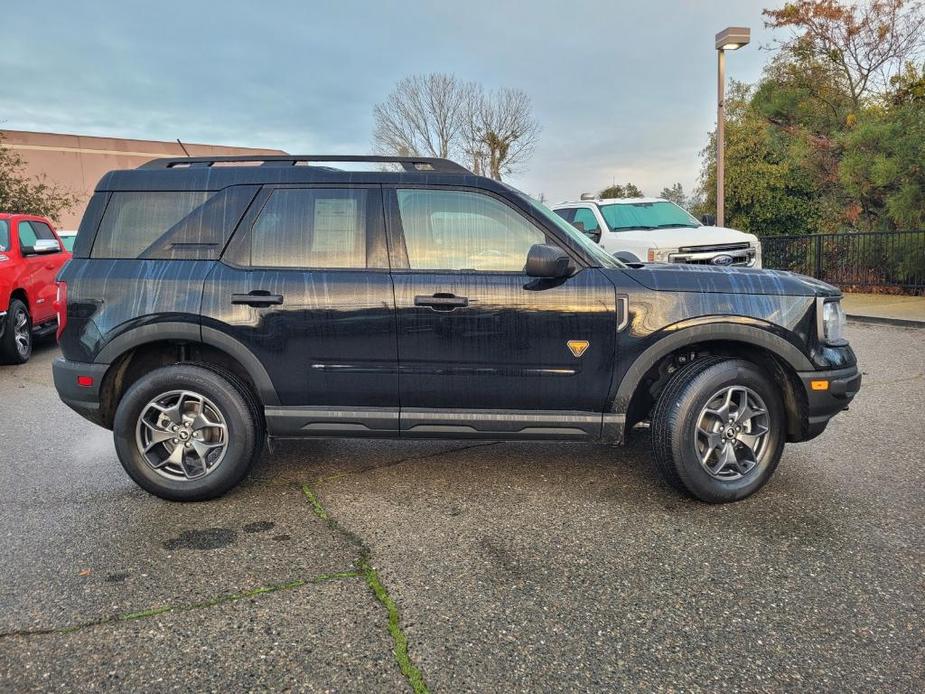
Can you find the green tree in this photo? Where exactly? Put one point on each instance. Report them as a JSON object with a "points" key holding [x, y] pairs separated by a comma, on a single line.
{"points": [[675, 194], [19, 193], [618, 191], [883, 167], [768, 190]]}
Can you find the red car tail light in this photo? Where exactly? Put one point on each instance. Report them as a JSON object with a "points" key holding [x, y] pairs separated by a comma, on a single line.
{"points": [[61, 308]]}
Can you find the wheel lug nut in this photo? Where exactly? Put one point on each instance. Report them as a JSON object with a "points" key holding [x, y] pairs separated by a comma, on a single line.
{"points": [[176, 440]]}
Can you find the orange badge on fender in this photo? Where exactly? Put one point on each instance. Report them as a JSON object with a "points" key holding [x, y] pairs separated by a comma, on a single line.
{"points": [[577, 347]]}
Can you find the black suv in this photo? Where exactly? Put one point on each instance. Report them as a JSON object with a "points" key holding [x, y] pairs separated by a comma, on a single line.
{"points": [[212, 302]]}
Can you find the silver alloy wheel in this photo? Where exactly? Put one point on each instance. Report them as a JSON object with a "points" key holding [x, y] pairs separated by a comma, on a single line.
{"points": [[730, 436], [22, 333], [182, 435]]}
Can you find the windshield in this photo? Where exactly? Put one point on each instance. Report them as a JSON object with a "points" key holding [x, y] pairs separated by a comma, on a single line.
{"points": [[4, 235], [647, 215], [595, 251]]}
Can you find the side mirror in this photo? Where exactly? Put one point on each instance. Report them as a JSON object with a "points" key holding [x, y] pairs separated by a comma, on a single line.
{"points": [[43, 246], [26, 250], [547, 261], [708, 220]]}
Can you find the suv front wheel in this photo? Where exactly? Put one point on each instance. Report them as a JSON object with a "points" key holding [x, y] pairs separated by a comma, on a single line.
{"points": [[718, 429], [187, 433]]}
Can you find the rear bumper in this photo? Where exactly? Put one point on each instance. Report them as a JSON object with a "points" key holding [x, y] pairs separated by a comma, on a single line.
{"points": [[84, 400], [822, 405]]}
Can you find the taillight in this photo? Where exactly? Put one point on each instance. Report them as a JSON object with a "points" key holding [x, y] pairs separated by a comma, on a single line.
{"points": [[61, 308]]}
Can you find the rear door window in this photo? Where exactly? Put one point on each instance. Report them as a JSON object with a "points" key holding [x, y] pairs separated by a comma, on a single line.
{"points": [[313, 228], [4, 235]]}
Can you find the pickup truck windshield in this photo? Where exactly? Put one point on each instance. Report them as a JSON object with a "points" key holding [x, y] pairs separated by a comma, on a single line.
{"points": [[647, 215]]}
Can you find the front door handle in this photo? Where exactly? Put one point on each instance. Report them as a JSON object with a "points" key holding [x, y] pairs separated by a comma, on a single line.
{"points": [[442, 301], [257, 298]]}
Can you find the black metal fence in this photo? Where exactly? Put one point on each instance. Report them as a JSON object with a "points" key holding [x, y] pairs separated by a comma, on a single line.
{"points": [[871, 261]]}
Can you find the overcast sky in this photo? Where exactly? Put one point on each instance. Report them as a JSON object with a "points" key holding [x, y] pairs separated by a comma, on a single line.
{"points": [[622, 90]]}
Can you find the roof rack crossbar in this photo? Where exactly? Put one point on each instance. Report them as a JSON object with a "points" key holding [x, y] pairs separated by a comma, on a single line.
{"points": [[407, 163]]}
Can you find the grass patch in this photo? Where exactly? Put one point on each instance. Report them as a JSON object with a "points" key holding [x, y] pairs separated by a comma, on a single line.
{"points": [[166, 609], [411, 672], [313, 500]]}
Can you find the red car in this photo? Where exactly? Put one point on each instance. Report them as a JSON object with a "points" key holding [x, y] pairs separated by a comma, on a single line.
{"points": [[31, 254]]}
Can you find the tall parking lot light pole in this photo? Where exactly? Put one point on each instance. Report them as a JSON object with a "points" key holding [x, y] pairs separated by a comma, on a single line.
{"points": [[729, 39]]}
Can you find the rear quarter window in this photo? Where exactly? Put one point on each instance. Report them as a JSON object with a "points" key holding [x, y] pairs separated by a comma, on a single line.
{"points": [[189, 225], [4, 235]]}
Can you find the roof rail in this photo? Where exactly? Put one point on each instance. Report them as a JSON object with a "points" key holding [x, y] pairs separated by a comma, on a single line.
{"points": [[408, 163]]}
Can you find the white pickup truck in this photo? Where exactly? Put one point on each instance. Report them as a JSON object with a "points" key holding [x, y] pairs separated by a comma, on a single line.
{"points": [[654, 230]]}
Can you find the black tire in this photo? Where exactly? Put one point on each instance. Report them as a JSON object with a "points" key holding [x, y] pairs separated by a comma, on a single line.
{"points": [[235, 405], [676, 417], [10, 349]]}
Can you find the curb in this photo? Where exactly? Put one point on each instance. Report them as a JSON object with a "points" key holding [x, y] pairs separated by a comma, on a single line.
{"points": [[880, 320]]}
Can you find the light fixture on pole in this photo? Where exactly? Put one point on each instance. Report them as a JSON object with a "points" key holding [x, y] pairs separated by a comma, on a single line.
{"points": [[729, 39]]}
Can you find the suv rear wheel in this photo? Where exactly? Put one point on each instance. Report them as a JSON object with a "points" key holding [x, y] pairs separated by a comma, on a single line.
{"points": [[718, 429], [187, 433], [16, 343]]}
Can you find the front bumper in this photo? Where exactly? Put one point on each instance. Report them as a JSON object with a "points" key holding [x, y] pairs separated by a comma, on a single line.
{"points": [[822, 405], [84, 400]]}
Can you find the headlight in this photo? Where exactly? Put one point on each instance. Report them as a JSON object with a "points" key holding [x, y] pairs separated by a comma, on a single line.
{"points": [[830, 318], [660, 255]]}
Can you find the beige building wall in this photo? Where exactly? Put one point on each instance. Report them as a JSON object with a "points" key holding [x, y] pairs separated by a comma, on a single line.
{"points": [[77, 162]]}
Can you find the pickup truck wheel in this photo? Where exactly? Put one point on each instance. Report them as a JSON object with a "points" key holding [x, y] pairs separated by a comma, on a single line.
{"points": [[16, 343], [718, 429], [186, 433]]}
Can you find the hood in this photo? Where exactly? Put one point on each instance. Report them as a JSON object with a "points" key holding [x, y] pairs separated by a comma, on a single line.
{"points": [[688, 236], [677, 277]]}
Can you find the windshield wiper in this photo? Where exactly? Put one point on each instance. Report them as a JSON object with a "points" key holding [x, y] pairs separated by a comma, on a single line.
{"points": [[676, 226], [632, 227]]}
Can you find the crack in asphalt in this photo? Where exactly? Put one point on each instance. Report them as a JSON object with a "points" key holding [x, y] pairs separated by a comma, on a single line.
{"points": [[411, 672], [187, 607]]}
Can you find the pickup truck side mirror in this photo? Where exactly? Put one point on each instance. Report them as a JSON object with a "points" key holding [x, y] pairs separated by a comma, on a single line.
{"points": [[708, 220], [593, 235], [43, 246], [547, 261]]}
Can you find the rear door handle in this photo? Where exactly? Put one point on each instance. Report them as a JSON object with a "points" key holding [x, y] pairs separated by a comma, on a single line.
{"points": [[442, 301], [257, 298]]}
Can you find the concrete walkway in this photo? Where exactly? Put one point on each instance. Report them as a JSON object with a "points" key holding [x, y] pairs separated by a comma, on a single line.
{"points": [[886, 308]]}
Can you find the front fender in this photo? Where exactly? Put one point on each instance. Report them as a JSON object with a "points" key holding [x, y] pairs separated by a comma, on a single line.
{"points": [[739, 329]]}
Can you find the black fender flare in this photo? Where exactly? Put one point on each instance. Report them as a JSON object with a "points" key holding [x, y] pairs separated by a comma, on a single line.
{"points": [[193, 332], [753, 332]]}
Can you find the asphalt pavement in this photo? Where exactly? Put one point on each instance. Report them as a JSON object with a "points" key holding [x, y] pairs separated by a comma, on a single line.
{"points": [[468, 566]]}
